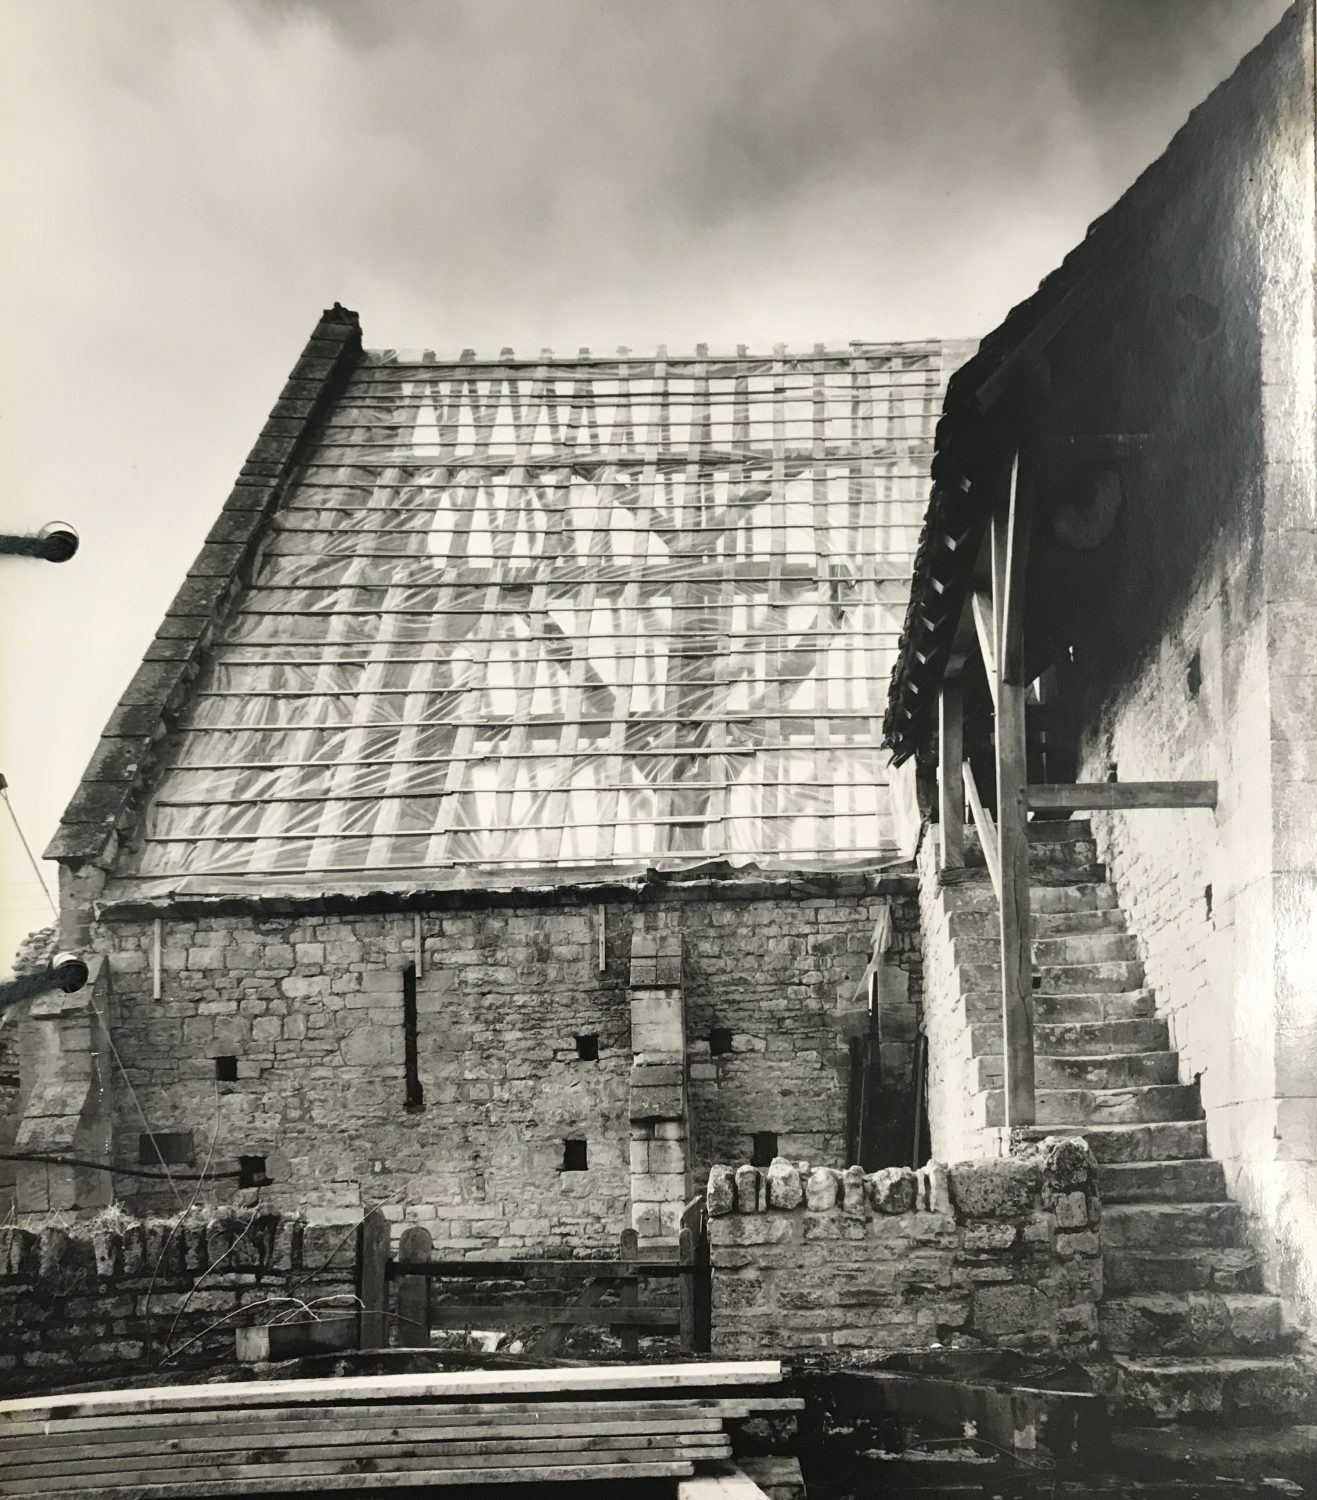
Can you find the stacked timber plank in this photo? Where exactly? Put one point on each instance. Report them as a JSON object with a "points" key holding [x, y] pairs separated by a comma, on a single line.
{"points": [[385, 1432]]}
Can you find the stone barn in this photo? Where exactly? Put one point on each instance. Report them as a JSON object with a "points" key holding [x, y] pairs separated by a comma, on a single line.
{"points": [[561, 783], [497, 829]]}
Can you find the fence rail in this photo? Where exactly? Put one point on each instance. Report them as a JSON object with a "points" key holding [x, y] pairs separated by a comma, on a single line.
{"points": [[413, 1272]]}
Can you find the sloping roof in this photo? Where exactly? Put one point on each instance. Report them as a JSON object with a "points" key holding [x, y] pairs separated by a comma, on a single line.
{"points": [[568, 614], [982, 409]]}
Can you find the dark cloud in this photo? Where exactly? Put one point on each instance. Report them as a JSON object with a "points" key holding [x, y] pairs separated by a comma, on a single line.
{"points": [[187, 185]]}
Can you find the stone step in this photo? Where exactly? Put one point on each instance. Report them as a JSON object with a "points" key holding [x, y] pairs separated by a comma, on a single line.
{"points": [[1072, 869], [1084, 948], [984, 975], [1059, 830], [1050, 952], [1165, 1227], [1170, 1140], [1258, 1455], [983, 922], [1233, 1390], [1140, 1272], [1069, 923], [1142, 1104], [1086, 978], [1083, 896], [1112, 1070], [973, 893], [1116, 1070], [1084, 1038], [984, 1004], [1165, 1181], [1193, 1323]]}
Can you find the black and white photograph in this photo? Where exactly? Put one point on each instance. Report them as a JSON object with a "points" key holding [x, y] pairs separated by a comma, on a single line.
{"points": [[658, 733]]}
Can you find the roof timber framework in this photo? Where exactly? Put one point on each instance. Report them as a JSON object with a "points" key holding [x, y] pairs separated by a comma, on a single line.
{"points": [[565, 614]]}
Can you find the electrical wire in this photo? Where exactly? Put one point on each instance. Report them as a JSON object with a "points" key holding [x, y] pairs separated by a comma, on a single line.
{"points": [[32, 859], [105, 1166]]}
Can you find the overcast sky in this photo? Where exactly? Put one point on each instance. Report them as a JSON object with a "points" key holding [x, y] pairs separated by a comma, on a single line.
{"points": [[188, 182]]}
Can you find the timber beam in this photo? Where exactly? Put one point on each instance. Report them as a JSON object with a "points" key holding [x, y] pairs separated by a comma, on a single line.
{"points": [[1119, 796]]}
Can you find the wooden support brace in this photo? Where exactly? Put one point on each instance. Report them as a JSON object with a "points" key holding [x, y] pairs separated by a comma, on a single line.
{"points": [[981, 607], [984, 827], [1118, 796], [951, 794]]}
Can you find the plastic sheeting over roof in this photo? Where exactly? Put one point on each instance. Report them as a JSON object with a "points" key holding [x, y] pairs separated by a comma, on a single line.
{"points": [[567, 615]]}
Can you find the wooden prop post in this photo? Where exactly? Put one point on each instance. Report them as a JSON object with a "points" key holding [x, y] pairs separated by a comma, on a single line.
{"points": [[1009, 544]]}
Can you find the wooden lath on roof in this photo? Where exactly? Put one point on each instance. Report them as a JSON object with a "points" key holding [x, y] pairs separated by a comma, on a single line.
{"points": [[563, 613]]}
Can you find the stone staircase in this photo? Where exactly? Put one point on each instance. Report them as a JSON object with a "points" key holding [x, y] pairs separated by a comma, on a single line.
{"points": [[1191, 1335]]}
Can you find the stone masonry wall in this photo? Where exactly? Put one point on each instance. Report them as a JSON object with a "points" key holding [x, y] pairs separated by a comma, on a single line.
{"points": [[114, 1296], [955, 1117], [995, 1253], [310, 1009], [1195, 659]]}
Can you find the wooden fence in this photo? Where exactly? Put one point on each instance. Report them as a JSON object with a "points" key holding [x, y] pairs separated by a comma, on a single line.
{"points": [[571, 1293]]}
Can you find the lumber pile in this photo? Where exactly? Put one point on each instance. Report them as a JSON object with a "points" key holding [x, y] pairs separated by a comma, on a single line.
{"points": [[384, 1432]]}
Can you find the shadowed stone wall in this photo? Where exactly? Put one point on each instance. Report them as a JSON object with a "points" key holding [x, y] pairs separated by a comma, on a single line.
{"points": [[1192, 621]]}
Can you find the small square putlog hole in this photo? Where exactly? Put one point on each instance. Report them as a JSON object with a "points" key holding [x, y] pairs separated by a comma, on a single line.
{"points": [[226, 1070], [251, 1172], [720, 1041], [574, 1157], [587, 1048], [172, 1148], [765, 1148]]}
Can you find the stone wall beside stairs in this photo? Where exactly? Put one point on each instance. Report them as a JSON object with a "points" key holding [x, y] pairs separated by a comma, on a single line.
{"points": [[1187, 1328], [1088, 990], [996, 1253]]}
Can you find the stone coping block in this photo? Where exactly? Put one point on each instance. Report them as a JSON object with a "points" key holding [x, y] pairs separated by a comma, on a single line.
{"points": [[1012, 1187]]}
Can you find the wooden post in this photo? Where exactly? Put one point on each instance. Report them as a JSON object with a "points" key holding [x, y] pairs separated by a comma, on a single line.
{"points": [[1009, 543], [414, 1291], [686, 1316], [873, 1082], [373, 1235], [703, 1286], [628, 1254], [951, 794], [854, 1099]]}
